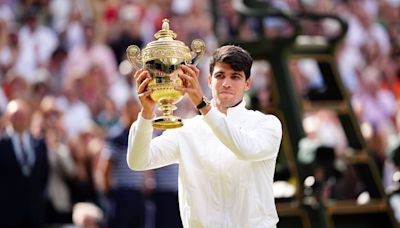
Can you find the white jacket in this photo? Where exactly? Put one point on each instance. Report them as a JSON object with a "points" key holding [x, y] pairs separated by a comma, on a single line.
{"points": [[226, 165]]}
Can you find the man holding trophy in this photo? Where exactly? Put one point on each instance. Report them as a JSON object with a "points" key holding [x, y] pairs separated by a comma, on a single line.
{"points": [[226, 154]]}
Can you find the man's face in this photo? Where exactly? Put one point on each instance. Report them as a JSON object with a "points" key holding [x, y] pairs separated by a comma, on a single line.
{"points": [[20, 118], [227, 85]]}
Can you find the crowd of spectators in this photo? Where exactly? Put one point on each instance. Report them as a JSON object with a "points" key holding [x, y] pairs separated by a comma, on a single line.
{"points": [[66, 58]]}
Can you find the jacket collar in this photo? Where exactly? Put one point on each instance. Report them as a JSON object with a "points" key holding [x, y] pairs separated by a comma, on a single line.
{"points": [[236, 113], [11, 132]]}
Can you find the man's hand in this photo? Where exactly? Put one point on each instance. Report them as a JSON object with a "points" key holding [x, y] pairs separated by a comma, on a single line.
{"points": [[143, 79], [191, 84]]}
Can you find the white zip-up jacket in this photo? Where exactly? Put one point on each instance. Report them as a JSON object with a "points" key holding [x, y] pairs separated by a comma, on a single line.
{"points": [[226, 165]]}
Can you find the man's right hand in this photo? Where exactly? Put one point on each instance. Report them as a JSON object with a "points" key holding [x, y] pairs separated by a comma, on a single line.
{"points": [[143, 78]]}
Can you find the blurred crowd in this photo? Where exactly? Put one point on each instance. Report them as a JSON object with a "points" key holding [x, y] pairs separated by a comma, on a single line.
{"points": [[64, 61]]}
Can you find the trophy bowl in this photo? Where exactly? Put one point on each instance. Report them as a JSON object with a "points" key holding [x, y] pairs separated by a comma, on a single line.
{"points": [[162, 58]]}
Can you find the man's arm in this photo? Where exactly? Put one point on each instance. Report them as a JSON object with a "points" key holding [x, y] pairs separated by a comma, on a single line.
{"points": [[146, 153], [139, 155], [260, 143]]}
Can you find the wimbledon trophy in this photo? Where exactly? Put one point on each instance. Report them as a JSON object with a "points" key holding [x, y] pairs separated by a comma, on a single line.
{"points": [[162, 59]]}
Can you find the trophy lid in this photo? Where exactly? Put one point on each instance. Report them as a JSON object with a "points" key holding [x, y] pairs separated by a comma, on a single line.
{"points": [[165, 33], [166, 48]]}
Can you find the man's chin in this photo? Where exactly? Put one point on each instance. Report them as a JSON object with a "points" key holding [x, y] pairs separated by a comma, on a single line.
{"points": [[225, 103]]}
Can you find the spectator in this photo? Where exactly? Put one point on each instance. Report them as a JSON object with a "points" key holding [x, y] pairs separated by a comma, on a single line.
{"points": [[36, 42], [92, 53], [23, 170], [165, 197], [61, 163], [123, 189]]}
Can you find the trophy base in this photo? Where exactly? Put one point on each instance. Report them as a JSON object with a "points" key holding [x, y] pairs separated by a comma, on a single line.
{"points": [[167, 122]]}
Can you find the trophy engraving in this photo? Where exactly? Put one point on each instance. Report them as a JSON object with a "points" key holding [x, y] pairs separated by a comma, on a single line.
{"points": [[162, 58]]}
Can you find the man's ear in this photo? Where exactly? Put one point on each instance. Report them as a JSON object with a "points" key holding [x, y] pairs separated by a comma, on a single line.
{"points": [[247, 85], [209, 80]]}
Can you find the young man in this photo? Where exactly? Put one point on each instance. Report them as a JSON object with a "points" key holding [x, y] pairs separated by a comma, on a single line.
{"points": [[226, 155]]}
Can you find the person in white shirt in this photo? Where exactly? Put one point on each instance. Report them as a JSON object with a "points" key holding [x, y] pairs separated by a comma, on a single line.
{"points": [[36, 43], [226, 155]]}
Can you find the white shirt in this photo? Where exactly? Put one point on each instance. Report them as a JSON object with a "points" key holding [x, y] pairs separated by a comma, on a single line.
{"points": [[226, 165], [77, 116], [36, 48]]}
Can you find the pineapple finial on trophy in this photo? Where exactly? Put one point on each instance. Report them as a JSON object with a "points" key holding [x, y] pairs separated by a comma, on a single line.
{"points": [[165, 33]]}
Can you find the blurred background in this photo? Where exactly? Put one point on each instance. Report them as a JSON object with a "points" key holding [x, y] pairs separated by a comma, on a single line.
{"points": [[329, 69]]}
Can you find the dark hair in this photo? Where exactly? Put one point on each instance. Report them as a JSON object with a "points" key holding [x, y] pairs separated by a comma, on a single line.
{"points": [[238, 58]]}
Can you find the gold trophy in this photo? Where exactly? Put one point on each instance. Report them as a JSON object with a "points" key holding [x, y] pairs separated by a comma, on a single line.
{"points": [[162, 58]]}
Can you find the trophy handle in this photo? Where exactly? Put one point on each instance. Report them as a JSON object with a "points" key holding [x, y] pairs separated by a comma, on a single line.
{"points": [[133, 55], [198, 49]]}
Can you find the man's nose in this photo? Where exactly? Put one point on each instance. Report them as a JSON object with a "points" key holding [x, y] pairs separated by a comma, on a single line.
{"points": [[226, 83]]}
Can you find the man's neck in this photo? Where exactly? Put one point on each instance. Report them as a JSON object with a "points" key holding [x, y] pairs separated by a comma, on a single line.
{"points": [[236, 104], [225, 109], [11, 131]]}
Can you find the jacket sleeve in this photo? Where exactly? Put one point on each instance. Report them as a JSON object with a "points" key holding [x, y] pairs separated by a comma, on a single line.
{"points": [[255, 142], [146, 153]]}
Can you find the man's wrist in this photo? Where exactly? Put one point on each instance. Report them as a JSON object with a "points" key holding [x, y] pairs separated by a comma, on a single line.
{"points": [[203, 103], [147, 115], [205, 109]]}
